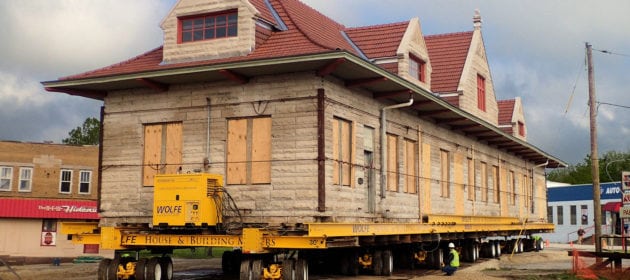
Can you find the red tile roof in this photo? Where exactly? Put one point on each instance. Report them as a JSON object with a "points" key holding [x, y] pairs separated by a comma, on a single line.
{"points": [[506, 111], [447, 53], [309, 32], [378, 41]]}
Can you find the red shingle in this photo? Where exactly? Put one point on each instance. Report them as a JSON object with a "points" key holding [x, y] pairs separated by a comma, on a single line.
{"points": [[308, 32], [378, 41], [447, 53], [506, 111]]}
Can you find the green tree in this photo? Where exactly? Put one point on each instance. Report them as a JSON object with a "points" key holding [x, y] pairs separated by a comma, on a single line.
{"points": [[87, 134], [611, 164]]}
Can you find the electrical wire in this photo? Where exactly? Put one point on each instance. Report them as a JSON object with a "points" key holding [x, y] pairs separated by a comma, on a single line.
{"points": [[612, 53], [611, 104]]}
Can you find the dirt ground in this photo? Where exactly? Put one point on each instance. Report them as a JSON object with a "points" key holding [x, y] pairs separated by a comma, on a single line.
{"points": [[530, 265]]}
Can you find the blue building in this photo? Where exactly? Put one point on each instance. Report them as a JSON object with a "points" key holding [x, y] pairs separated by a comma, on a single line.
{"points": [[570, 207]]}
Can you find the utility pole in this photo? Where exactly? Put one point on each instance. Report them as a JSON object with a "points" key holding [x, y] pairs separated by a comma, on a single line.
{"points": [[594, 158]]}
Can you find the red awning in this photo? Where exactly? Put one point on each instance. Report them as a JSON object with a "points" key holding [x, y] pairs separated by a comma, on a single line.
{"points": [[612, 207], [48, 208]]}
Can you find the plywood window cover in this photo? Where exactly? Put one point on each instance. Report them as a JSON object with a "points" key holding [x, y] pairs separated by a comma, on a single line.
{"points": [[392, 163], [445, 169], [162, 150], [249, 151], [343, 139], [411, 166]]}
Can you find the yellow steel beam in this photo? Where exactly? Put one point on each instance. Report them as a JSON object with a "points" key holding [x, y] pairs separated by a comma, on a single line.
{"points": [[78, 227], [197, 240], [486, 220], [294, 242], [93, 238], [373, 229]]}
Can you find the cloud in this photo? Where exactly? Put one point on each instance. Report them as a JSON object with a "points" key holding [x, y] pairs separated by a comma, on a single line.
{"points": [[47, 39], [56, 38]]}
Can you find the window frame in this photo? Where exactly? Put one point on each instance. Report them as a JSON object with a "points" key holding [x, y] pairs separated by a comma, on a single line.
{"points": [[484, 182], [28, 180], [481, 93], [560, 215], [418, 72], [62, 181], [81, 182], [230, 28], [162, 150], [521, 128], [6, 177], [573, 214]]}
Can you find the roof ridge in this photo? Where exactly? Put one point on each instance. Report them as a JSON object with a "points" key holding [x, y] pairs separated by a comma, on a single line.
{"points": [[78, 76], [377, 25], [450, 34]]}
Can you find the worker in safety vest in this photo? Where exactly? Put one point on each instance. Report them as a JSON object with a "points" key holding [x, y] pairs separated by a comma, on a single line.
{"points": [[452, 261]]}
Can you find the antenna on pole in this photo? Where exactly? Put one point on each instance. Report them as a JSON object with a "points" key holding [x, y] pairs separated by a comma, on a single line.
{"points": [[594, 158]]}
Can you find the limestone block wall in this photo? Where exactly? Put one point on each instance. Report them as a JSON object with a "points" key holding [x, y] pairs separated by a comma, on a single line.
{"points": [[292, 195]]}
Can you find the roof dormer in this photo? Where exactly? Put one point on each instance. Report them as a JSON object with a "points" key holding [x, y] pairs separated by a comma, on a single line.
{"points": [[197, 30], [414, 64]]}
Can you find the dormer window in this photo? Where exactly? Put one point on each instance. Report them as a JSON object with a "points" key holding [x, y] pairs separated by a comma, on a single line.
{"points": [[207, 27], [417, 68], [481, 93], [521, 129]]}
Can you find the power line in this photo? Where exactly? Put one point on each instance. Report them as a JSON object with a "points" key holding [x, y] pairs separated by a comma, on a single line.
{"points": [[614, 105], [612, 53]]}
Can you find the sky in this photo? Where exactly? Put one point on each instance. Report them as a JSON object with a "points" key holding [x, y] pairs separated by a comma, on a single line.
{"points": [[535, 48]]}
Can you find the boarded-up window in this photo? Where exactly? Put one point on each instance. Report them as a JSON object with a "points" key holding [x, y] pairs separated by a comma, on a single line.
{"points": [[525, 193], [392, 163], [471, 179], [512, 187], [411, 166], [496, 184], [162, 150], [484, 182], [342, 152], [445, 167], [249, 151]]}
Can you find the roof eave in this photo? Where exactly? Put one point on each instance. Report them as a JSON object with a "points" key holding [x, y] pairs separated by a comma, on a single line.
{"points": [[89, 87]]}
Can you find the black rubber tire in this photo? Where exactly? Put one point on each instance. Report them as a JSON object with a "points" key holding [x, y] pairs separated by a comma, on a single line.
{"points": [[246, 270], [154, 269], [377, 263], [301, 269], [226, 262], [166, 264], [257, 269], [288, 269], [103, 269], [112, 269], [141, 269], [388, 263]]}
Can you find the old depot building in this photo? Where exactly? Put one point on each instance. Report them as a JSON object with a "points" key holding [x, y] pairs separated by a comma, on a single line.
{"points": [[309, 120], [42, 185]]}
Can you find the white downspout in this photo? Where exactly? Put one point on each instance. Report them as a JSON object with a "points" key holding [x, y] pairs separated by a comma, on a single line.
{"points": [[384, 141], [534, 182]]}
